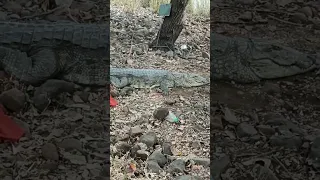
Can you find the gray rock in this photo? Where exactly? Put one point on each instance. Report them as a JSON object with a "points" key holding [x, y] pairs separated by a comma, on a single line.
{"points": [[205, 55], [82, 5], [166, 148], [246, 16], [275, 119], [50, 152], [41, 101], [230, 117], [153, 166], [283, 130], [196, 145], [177, 166], [150, 139], [50, 165], [75, 158], [306, 11], [105, 171], [84, 96], [170, 53], [136, 147], [219, 165], [135, 131], [254, 138], [201, 161], [292, 128], [77, 99], [161, 113], [283, 2], [262, 172], [159, 158], [170, 101], [271, 88], [171, 158], [266, 130], [245, 2], [12, 6], [142, 154], [13, 99], [14, 16], [142, 146], [123, 147], [245, 130], [7, 178], [314, 153], [299, 17], [286, 141], [188, 177], [70, 144], [3, 16]]}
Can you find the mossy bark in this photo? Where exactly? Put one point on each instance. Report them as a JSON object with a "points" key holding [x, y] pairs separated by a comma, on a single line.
{"points": [[171, 26]]}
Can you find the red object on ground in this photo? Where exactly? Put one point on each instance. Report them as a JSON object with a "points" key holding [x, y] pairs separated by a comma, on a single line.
{"points": [[113, 102], [9, 130]]}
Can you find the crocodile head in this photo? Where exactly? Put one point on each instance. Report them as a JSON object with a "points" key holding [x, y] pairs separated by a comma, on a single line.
{"points": [[275, 61], [190, 80], [250, 60]]}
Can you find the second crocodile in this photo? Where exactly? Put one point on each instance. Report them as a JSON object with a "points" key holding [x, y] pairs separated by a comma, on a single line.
{"points": [[34, 53], [150, 78], [78, 53], [246, 60]]}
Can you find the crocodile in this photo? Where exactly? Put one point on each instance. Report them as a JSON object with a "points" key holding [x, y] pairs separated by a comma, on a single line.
{"points": [[150, 78], [246, 60], [36, 52], [77, 53]]}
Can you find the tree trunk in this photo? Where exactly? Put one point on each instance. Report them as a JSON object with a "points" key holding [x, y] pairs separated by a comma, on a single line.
{"points": [[171, 26]]}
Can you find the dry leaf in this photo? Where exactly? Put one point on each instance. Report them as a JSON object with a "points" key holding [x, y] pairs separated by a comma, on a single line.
{"points": [[196, 167], [230, 117], [132, 167], [86, 16]]}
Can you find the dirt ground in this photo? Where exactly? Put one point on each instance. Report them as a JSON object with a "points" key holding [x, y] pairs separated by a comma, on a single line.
{"points": [[69, 139], [268, 130], [188, 142]]}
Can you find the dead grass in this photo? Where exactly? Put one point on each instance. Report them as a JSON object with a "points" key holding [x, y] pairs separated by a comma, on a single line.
{"points": [[195, 7], [130, 32]]}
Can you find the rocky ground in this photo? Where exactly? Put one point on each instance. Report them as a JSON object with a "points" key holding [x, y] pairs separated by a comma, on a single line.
{"points": [[268, 130], [144, 144], [66, 137]]}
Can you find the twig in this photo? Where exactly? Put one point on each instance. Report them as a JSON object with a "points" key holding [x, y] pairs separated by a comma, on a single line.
{"points": [[53, 11], [255, 9], [283, 166], [255, 154], [45, 13], [250, 23], [28, 170], [70, 16], [287, 22]]}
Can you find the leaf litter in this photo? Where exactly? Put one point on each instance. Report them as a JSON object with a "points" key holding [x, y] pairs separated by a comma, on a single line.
{"points": [[156, 138], [68, 139], [270, 129]]}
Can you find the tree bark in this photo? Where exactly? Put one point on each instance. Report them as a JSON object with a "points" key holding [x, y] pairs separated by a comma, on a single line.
{"points": [[171, 26]]}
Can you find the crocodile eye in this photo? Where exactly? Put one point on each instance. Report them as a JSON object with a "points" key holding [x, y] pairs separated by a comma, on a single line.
{"points": [[267, 49], [274, 47]]}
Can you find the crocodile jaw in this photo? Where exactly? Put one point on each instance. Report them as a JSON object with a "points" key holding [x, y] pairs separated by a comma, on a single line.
{"points": [[189, 80], [248, 61], [281, 62]]}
